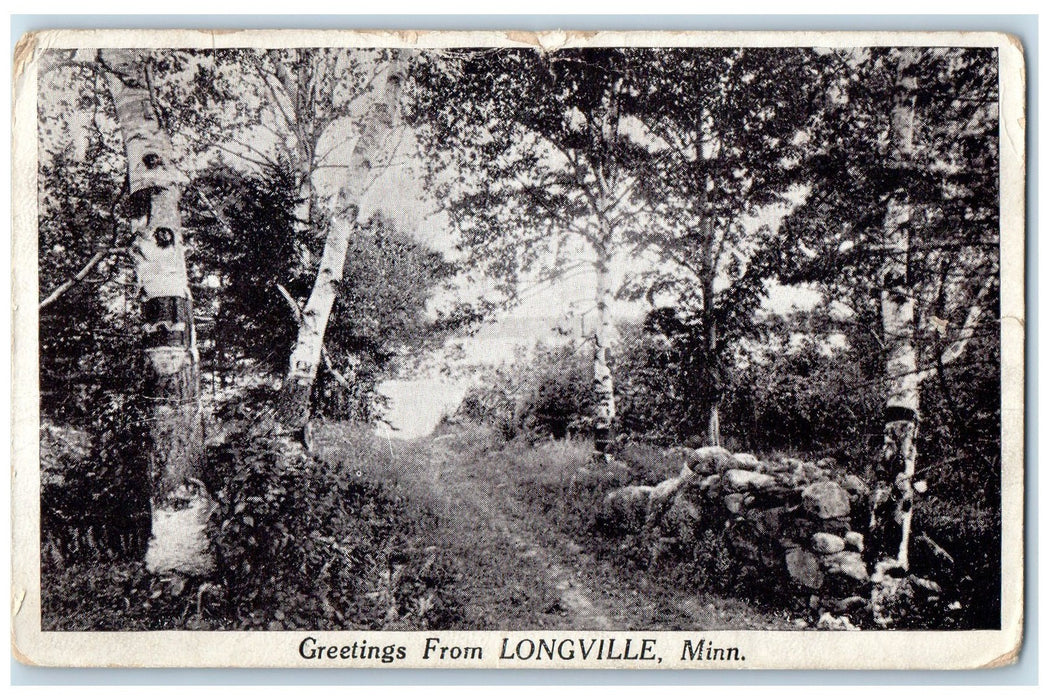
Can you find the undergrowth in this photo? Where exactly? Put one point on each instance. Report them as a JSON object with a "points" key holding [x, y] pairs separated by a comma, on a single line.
{"points": [[301, 543]]}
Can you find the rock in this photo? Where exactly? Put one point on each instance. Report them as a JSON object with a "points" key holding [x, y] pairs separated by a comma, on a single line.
{"points": [[743, 480], [890, 595], [848, 564], [829, 622], [712, 460], [849, 604], [775, 467], [804, 567], [855, 486], [836, 526], [710, 484], [768, 520], [797, 527], [665, 489], [825, 499], [854, 541], [748, 461], [826, 543], [828, 464], [930, 587], [733, 502]]}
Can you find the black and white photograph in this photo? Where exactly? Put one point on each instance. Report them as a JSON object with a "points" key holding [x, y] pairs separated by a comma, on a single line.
{"points": [[446, 352]]}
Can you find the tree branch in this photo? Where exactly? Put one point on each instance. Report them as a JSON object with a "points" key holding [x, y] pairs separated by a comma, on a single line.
{"points": [[78, 277], [957, 348]]}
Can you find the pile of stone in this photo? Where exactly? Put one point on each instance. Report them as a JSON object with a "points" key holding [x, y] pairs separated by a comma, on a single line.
{"points": [[794, 526]]}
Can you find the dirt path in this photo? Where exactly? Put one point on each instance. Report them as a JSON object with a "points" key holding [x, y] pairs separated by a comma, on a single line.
{"points": [[485, 524], [519, 569]]}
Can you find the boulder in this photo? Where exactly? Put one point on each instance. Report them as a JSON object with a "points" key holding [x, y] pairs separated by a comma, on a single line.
{"points": [[855, 486], [733, 502], [826, 543], [848, 564], [712, 460], [849, 604], [804, 567], [829, 622], [775, 467], [748, 461], [710, 485], [743, 480], [854, 541], [665, 490], [768, 520], [825, 500], [836, 526], [828, 464]]}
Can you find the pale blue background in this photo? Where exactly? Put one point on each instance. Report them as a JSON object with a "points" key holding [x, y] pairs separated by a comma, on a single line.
{"points": [[1024, 673]]}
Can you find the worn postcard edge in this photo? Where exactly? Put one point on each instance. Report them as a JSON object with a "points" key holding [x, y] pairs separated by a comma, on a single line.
{"points": [[759, 649]]}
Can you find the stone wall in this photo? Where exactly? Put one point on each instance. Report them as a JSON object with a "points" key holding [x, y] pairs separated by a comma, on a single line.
{"points": [[795, 526]]}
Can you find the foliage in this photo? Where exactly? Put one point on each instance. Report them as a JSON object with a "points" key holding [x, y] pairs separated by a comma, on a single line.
{"points": [[303, 544], [533, 154], [245, 244], [310, 544], [950, 178]]}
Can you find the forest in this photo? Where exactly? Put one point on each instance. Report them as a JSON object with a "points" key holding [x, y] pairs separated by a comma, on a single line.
{"points": [[765, 395]]}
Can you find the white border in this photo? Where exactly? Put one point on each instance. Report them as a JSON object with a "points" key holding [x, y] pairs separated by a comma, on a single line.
{"points": [[794, 650]]}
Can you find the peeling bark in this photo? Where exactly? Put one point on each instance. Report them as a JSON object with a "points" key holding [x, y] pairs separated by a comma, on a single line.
{"points": [[179, 502], [306, 353]]}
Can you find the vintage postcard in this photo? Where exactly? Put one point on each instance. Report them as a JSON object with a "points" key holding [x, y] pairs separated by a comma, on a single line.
{"points": [[511, 350]]}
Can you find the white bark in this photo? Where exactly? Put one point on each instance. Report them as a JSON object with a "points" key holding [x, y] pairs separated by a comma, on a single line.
{"points": [[899, 454], [180, 504], [604, 389], [306, 353], [965, 334]]}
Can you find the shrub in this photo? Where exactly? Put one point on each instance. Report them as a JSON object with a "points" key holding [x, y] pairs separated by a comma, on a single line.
{"points": [[317, 544], [301, 543]]}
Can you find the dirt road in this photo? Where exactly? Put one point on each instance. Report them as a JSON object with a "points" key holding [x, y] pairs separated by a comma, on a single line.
{"points": [[519, 571]]}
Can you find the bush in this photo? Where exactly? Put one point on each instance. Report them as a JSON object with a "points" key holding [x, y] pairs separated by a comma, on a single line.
{"points": [[301, 543], [318, 544]]}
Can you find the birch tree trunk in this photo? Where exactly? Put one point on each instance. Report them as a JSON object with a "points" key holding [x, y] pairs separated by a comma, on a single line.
{"points": [[893, 503], [306, 353], [710, 330], [304, 211], [714, 426], [604, 389], [179, 501]]}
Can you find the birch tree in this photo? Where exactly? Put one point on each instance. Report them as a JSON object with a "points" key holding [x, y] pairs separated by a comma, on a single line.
{"points": [[903, 213], [180, 503], [367, 157], [534, 153]]}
